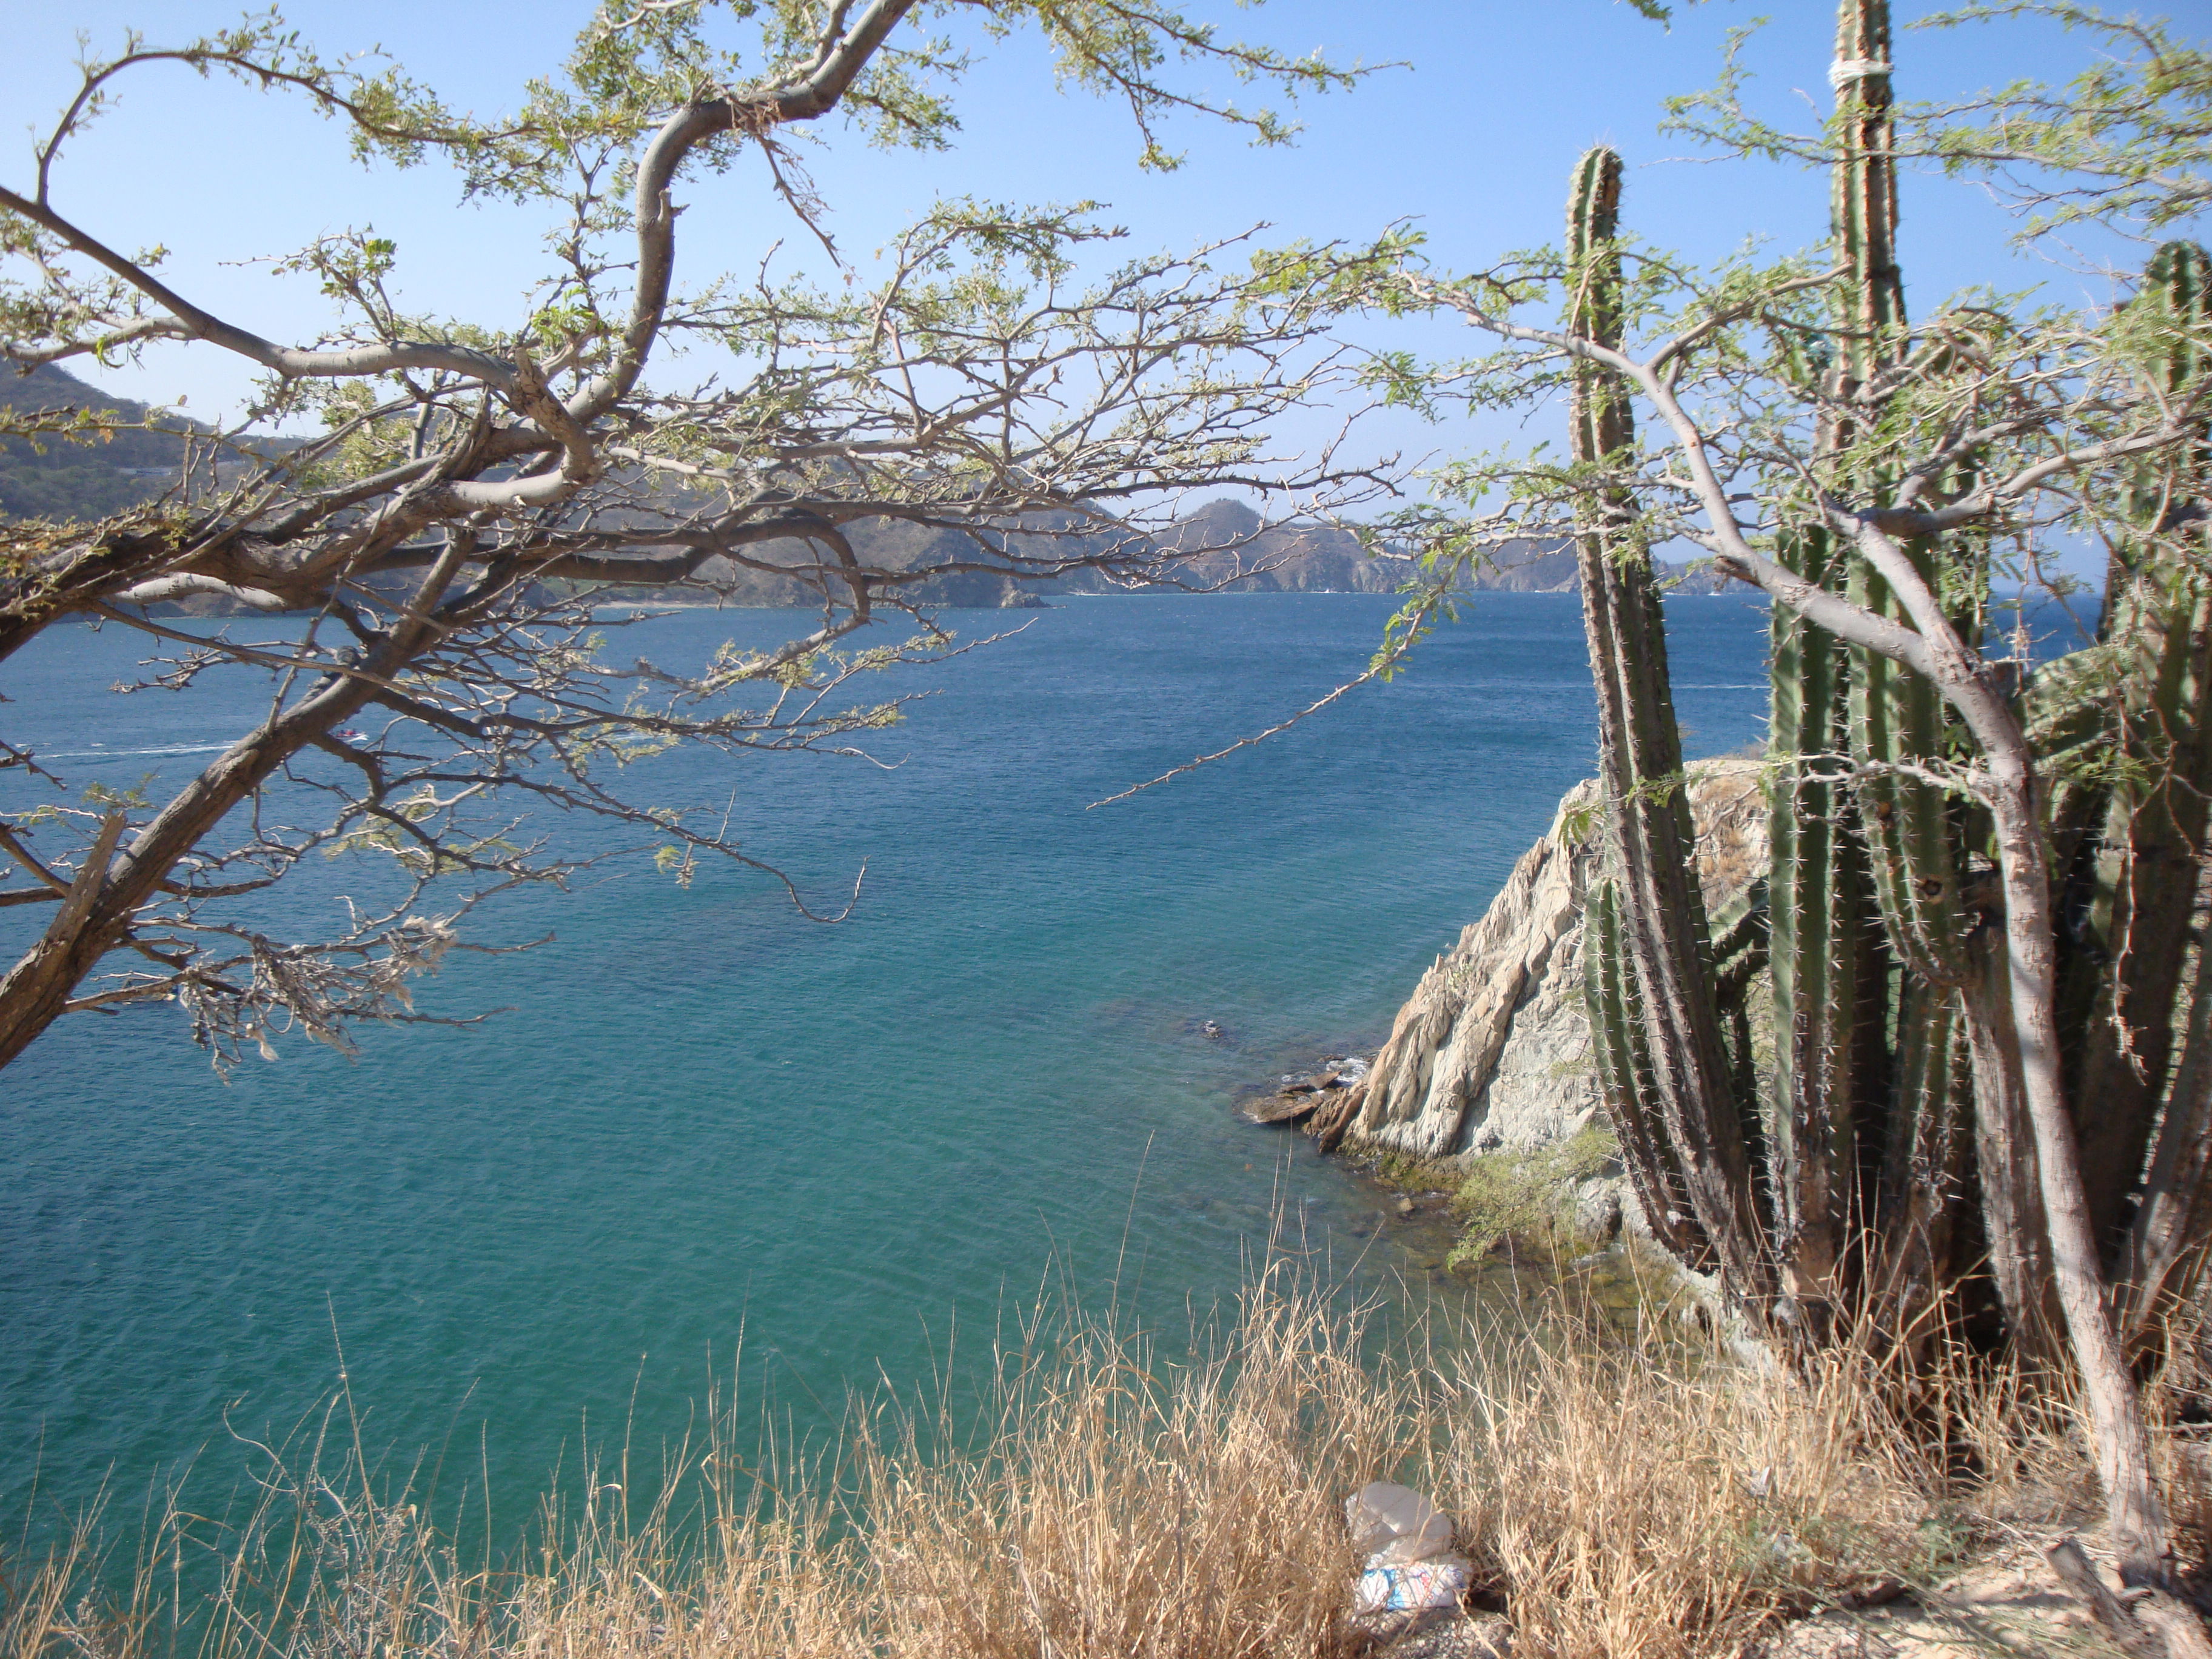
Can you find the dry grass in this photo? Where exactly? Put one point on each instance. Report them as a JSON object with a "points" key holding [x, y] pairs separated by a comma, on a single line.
{"points": [[1643, 1499], [1636, 1499]]}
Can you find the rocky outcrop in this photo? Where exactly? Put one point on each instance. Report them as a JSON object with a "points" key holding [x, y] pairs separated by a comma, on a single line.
{"points": [[1492, 1049]]}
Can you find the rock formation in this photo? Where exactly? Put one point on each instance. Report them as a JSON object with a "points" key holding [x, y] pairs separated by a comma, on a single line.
{"points": [[1492, 1049]]}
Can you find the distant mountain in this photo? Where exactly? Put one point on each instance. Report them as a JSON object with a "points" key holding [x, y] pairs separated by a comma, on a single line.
{"points": [[1245, 558], [1306, 558], [1288, 558], [1228, 549], [73, 480]]}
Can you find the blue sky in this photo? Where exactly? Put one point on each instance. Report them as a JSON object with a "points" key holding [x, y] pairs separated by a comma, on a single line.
{"points": [[1473, 140]]}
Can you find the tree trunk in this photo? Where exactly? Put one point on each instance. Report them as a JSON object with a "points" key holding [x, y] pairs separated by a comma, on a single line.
{"points": [[2140, 1536], [2004, 1156]]}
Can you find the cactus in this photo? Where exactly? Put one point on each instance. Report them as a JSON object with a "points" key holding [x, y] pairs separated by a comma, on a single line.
{"points": [[1856, 1136], [2151, 652], [1740, 954], [1656, 949], [1911, 828], [1923, 1161], [1624, 1071], [1817, 922], [1739, 943], [1828, 1026], [1864, 203], [1896, 719], [1900, 1091], [2137, 884]]}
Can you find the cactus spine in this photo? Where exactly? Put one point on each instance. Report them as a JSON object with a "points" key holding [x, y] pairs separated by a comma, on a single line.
{"points": [[1670, 1065]]}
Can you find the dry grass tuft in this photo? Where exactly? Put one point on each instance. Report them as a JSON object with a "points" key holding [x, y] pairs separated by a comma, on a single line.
{"points": [[1637, 1498], [1645, 1499]]}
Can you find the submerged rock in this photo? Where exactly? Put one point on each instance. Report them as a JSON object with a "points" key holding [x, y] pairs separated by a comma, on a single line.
{"points": [[1284, 1108]]}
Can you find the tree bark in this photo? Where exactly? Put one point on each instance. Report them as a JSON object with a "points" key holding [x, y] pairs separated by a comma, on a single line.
{"points": [[2141, 1535], [2005, 1155]]}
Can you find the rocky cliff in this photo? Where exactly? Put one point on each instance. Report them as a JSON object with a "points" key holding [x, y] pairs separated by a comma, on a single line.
{"points": [[1492, 1049]]}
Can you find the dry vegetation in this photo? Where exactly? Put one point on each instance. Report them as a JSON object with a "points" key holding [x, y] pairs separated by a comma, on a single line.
{"points": [[1617, 1497]]}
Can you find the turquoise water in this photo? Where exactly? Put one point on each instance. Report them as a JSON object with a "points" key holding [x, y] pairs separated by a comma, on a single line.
{"points": [[704, 1115]]}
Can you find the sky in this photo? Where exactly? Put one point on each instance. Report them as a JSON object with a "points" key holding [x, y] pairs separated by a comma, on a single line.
{"points": [[1470, 134]]}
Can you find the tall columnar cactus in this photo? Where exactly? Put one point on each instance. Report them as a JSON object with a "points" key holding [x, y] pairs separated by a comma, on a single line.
{"points": [[1863, 206], [1898, 729], [1901, 731], [1927, 1146], [1899, 1087], [1819, 920], [1910, 830], [1670, 1063], [1625, 1076], [2137, 882], [1859, 1162], [1828, 982]]}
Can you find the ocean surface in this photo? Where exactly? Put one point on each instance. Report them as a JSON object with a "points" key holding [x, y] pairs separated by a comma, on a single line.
{"points": [[706, 1118]]}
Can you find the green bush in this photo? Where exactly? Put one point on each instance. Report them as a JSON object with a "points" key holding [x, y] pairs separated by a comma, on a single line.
{"points": [[1528, 1195]]}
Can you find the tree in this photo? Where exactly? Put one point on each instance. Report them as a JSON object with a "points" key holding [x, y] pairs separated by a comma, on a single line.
{"points": [[1982, 879], [437, 545]]}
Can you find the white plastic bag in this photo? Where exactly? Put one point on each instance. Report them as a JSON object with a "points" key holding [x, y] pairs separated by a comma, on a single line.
{"points": [[1413, 1586], [1395, 1525], [1407, 1542]]}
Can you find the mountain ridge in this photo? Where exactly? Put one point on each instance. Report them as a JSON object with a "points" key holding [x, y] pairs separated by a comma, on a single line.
{"points": [[1226, 546]]}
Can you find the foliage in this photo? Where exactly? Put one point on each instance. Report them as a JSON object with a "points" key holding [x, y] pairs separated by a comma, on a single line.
{"points": [[2121, 145], [1528, 1195], [1011, 400]]}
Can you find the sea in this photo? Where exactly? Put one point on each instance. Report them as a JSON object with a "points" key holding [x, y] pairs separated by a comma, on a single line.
{"points": [[703, 1146]]}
